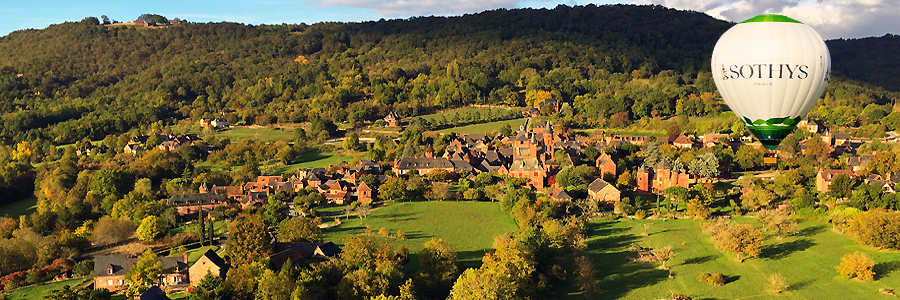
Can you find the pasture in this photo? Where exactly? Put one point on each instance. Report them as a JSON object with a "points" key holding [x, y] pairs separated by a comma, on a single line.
{"points": [[806, 260], [470, 227]]}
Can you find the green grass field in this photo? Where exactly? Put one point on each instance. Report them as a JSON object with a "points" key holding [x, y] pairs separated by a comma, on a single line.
{"points": [[315, 160], [37, 292], [470, 227], [484, 127], [264, 134], [221, 227], [195, 254], [806, 261], [22, 207], [472, 110]]}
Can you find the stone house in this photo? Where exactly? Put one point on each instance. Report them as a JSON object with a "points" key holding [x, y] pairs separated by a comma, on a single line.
{"points": [[606, 165], [601, 190], [110, 270], [209, 262], [192, 203], [824, 178]]}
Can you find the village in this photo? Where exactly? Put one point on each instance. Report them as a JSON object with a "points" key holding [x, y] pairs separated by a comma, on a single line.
{"points": [[534, 153]]}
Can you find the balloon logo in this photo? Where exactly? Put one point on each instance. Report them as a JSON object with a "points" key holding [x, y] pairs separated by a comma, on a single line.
{"points": [[771, 70]]}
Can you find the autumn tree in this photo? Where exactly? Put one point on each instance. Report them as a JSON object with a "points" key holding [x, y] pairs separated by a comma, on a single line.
{"points": [[249, 240], [393, 189], [147, 271], [748, 158], [108, 230], [299, 230], [878, 228], [857, 265], [483, 284], [438, 261], [739, 239], [151, 227]]}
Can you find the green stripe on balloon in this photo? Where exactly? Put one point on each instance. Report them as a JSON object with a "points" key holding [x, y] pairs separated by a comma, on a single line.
{"points": [[770, 18], [770, 136], [770, 132]]}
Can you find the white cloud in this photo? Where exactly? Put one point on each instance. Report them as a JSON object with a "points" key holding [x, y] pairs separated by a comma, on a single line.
{"points": [[830, 18], [406, 8]]}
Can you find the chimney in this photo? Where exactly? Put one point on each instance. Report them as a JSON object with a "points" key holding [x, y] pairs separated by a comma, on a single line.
{"points": [[185, 258]]}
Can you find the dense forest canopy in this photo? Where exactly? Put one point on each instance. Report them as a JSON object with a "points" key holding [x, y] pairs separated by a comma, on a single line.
{"points": [[82, 80]]}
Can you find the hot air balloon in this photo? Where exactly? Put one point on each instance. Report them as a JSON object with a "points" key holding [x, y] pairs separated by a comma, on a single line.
{"points": [[771, 70]]}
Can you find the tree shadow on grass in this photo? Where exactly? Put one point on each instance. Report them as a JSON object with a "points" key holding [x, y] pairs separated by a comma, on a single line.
{"points": [[782, 250], [698, 260], [610, 254], [800, 285], [811, 231], [469, 259], [730, 279], [882, 269]]}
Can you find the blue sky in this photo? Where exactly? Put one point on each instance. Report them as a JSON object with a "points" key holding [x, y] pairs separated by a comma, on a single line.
{"points": [[832, 19]]}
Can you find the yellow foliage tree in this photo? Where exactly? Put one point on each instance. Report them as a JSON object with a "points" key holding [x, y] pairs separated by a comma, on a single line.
{"points": [[23, 150], [856, 264], [533, 96]]}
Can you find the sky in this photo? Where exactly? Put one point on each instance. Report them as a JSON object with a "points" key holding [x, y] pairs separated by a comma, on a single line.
{"points": [[830, 18]]}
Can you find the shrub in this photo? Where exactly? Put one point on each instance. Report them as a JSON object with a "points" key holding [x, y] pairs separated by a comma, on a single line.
{"points": [[384, 232], [856, 264], [777, 284], [640, 214], [401, 235], [717, 279], [84, 268]]}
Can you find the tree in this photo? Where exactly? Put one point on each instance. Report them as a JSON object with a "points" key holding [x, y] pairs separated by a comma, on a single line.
{"points": [[153, 19], [878, 228], [883, 163], [249, 240], [143, 273], [817, 150], [748, 158], [351, 142], [856, 264], [740, 239], [705, 165], [299, 230], [777, 284], [481, 284], [841, 186], [211, 288], [586, 277], [439, 191], [275, 286], [274, 211], [663, 255], [438, 261], [151, 227], [562, 158], [393, 189], [78, 293], [108, 230]]}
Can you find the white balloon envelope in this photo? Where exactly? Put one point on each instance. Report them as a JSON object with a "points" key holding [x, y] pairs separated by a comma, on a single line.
{"points": [[771, 70]]}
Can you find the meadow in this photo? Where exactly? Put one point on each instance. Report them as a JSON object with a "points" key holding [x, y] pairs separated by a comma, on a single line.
{"points": [[264, 134], [21, 207], [470, 227], [806, 260], [484, 127]]}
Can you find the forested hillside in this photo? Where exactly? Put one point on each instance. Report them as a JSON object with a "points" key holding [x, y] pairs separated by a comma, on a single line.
{"points": [[84, 80]]}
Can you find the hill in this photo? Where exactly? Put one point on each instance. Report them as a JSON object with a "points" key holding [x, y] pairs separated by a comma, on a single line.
{"points": [[82, 80]]}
